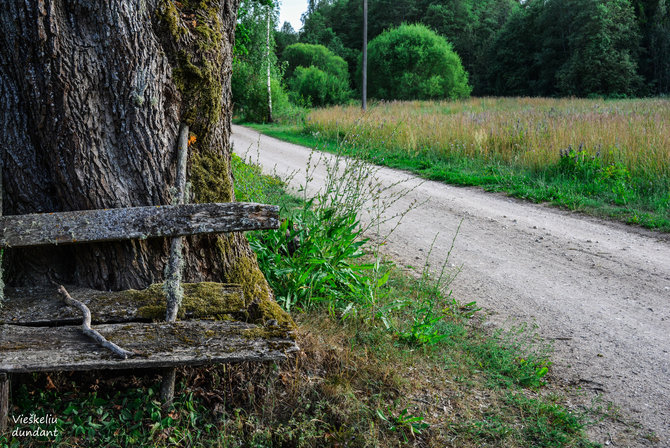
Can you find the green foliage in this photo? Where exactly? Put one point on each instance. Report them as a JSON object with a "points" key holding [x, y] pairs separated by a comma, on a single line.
{"points": [[412, 62], [515, 356], [308, 55], [658, 36], [132, 417], [571, 47], [404, 422], [535, 47], [246, 31], [316, 76], [584, 167], [321, 28], [470, 26], [614, 177], [467, 24], [603, 50], [510, 69], [424, 329], [314, 87], [310, 258], [250, 64], [252, 186], [284, 37], [250, 93]]}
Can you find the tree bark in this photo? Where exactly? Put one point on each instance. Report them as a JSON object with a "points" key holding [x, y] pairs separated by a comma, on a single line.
{"points": [[91, 97]]}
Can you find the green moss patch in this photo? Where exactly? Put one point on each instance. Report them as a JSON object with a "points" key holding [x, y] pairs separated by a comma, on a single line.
{"points": [[193, 37], [261, 307], [192, 34], [210, 178], [201, 300]]}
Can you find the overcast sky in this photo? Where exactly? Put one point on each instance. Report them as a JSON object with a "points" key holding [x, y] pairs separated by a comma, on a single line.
{"points": [[290, 11]]}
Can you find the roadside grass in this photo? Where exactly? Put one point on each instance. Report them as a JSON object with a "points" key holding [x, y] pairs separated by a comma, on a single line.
{"points": [[605, 158], [402, 363], [352, 385]]}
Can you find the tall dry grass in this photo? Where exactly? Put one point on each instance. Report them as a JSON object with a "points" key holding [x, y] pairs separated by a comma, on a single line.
{"points": [[529, 132]]}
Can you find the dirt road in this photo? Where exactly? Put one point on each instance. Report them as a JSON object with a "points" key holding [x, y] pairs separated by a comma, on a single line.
{"points": [[600, 291]]}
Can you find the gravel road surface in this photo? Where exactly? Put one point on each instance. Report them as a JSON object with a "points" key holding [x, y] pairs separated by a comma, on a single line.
{"points": [[599, 290]]}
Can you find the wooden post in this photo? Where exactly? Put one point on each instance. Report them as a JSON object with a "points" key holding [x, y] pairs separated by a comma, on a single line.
{"points": [[173, 289], [167, 387], [4, 401], [173, 269]]}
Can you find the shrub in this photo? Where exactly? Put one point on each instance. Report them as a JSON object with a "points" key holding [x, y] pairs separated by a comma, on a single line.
{"points": [[307, 55], [413, 62], [318, 88], [316, 76]]}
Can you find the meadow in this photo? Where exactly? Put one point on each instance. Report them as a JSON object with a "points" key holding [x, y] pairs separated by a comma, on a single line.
{"points": [[604, 157]]}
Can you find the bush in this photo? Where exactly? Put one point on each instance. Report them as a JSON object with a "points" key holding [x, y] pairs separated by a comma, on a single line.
{"points": [[307, 55], [412, 62], [316, 76], [318, 88]]}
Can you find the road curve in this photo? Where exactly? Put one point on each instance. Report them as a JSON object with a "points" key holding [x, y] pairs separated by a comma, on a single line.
{"points": [[599, 290]]}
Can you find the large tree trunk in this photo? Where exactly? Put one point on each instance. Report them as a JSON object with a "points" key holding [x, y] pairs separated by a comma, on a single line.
{"points": [[91, 97]]}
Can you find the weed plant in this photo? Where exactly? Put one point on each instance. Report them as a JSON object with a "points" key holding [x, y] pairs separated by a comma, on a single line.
{"points": [[316, 256], [307, 262]]}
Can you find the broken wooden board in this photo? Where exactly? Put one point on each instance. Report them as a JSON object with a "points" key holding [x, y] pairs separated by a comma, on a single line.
{"points": [[119, 224], [157, 345], [42, 306]]}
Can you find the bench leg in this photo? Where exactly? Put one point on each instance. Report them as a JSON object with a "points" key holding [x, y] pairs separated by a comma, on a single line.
{"points": [[4, 401], [167, 387]]}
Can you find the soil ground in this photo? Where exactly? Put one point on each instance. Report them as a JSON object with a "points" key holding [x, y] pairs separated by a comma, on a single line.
{"points": [[598, 290]]}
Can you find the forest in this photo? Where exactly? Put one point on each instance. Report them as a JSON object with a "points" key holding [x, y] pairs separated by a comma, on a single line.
{"points": [[555, 48]]}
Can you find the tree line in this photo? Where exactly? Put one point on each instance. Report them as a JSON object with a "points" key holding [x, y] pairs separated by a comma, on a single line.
{"points": [[519, 47], [609, 48]]}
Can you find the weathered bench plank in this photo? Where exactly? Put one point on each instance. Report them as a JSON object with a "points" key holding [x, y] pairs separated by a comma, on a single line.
{"points": [[118, 224], [157, 345], [41, 306]]}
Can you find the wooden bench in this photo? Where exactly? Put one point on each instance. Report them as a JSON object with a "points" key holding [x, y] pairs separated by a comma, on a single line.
{"points": [[39, 333]]}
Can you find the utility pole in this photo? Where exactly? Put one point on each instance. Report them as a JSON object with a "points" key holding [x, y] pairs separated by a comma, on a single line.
{"points": [[365, 55]]}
